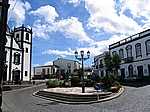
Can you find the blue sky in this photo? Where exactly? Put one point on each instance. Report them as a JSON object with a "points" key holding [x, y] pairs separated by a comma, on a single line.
{"points": [[60, 27]]}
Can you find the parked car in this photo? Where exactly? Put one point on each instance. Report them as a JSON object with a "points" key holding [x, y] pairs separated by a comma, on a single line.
{"points": [[94, 77], [132, 78]]}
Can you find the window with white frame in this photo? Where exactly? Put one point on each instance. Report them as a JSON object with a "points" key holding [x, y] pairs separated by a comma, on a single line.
{"points": [[16, 58], [147, 46], [129, 51], [138, 50], [121, 54]]}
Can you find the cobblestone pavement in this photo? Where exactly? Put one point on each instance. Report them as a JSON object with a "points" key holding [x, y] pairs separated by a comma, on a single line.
{"points": [[134, 99]]}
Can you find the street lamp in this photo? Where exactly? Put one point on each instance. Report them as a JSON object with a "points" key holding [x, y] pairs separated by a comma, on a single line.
{"points": [[3, 23], [82, 59], [69, 66]]}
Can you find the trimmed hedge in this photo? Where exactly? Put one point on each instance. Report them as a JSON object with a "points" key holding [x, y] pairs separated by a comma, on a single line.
{"points": [[52, 83]]}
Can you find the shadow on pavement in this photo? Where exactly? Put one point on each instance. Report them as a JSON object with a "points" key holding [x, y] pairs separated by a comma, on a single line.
{"points": [[135, 84], [47, 104]]}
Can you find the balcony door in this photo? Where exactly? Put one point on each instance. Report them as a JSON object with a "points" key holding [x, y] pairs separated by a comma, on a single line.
{"points": [[130, 69]]}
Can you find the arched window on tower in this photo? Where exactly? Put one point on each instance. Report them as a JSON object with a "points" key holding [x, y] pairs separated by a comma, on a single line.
{"points": [[27, 36]]}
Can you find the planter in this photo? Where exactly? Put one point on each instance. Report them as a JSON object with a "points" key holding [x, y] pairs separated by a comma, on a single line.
{"points": [[66, 83]]}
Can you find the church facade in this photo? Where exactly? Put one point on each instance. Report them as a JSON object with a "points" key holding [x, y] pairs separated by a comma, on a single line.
{"points": [[18, 53]]}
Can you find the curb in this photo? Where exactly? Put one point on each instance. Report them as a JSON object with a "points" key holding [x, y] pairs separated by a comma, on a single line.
{"points": [[20, 87], [88, 102]]}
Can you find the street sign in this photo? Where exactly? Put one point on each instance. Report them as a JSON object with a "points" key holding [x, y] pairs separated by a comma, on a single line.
{"points": [[97, 86]]}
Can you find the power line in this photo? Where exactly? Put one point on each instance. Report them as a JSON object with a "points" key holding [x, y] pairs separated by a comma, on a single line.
{"points": [[12, 9]]}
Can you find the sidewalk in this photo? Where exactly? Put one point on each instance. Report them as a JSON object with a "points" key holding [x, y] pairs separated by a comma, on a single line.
{"points": [[5, 108]]}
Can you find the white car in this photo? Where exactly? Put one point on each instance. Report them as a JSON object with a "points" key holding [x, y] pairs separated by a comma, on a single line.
{"points": [[132, 78]]}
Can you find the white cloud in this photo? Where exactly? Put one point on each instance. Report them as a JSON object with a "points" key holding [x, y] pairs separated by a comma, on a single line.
{"points": [[47, 12], [99, 47], [49, 63], [95, 48], [35, 65], [17, 13], [58, 52], [26, 5], [74, 2], [139, 9], [103, 15], [40, 30], [71, 28]]}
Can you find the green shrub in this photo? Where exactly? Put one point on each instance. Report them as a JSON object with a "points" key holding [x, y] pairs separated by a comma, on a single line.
{"points": [[88, 80], [75, 80], [52, 83], [110, 81]]}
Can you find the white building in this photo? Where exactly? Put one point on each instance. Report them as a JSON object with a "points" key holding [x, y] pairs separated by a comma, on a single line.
{"points": [[135, 54], [99, 65], [18, 52], [47, 71], [59, 67], [66, 65]]}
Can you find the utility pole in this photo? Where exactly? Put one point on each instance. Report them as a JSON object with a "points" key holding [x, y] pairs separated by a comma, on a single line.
{"points": [[3, 23]]}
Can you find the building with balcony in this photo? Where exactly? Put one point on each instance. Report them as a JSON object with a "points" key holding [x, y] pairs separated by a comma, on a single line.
{"points": [[135, 55], [99, 65]]}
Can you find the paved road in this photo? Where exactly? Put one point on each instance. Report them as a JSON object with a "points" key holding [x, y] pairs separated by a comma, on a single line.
{"points": [[134, 99]]}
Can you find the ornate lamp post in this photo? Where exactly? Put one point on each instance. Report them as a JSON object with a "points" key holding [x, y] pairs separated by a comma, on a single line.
{"points": [[82, 59], [3, 23]]}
